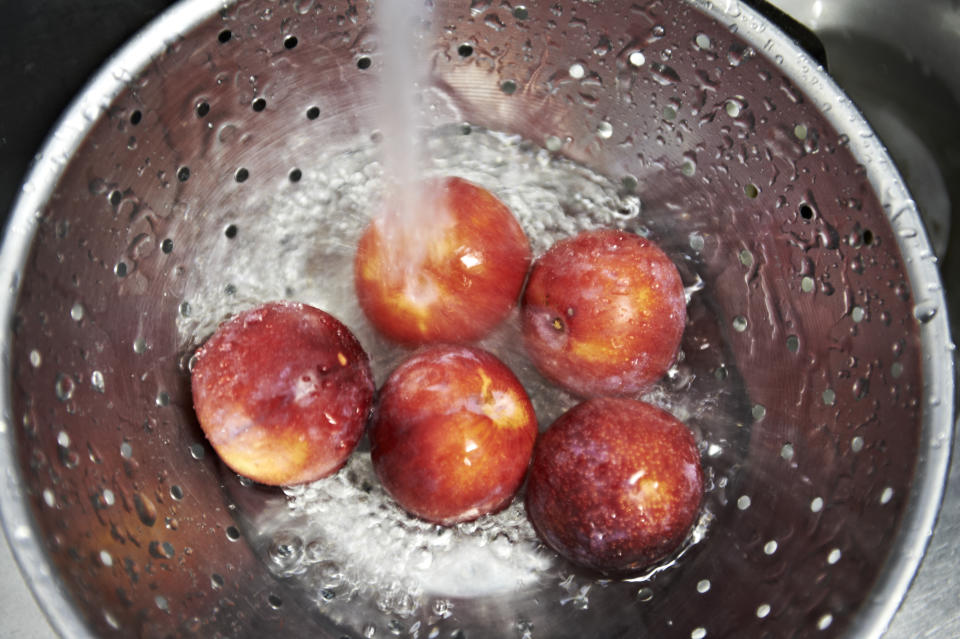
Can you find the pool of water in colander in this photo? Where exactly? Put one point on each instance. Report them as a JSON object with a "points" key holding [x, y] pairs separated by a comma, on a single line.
{"points": [[342, 539]]}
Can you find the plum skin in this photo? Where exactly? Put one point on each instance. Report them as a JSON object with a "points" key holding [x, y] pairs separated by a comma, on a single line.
{"points": [[283, 393], [615, 485], [452, 434], [474, 264], [603, 313]]}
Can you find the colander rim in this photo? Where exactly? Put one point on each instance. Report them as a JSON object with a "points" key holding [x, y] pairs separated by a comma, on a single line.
{"points": [[926, 491]]}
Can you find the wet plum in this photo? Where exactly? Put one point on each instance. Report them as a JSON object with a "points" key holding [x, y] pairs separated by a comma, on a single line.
{"points": [[452, 435], [452, 281], [283, 393], [615, 485], [603, 313]]}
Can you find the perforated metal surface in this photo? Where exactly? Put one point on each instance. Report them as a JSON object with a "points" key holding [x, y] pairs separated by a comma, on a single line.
{"points": [[808, 301]]}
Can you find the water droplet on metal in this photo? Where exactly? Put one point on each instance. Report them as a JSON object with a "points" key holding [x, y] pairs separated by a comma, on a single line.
{"points": [[925, 312], [146, 510], [64, 387]]}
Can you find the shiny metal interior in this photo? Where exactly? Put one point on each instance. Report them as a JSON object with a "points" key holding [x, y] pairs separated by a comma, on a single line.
{"points": [[824, 293], [896, 62]]}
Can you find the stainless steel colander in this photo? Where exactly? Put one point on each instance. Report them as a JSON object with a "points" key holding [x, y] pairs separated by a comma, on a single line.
{"points": [[827, 347]]}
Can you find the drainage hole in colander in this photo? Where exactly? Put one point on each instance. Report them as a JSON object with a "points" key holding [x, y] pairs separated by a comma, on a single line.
{"points": [[759, 411], [295, 175], [233, 533], [364, 62], [230, 231], [183, 173], [275, 601], [465, 50], [241, 175], [203, 108], [259, 105], [520, 12], [290, 42], [166, 246], [115, 197], [313, 113], [787, 452], [806, 211], [135, 117], [64, 387], [509, 87], [793, 343], [224, 36]]}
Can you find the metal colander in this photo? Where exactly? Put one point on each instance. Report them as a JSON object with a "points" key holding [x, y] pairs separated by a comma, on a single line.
{"points": [[205, 163]]}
